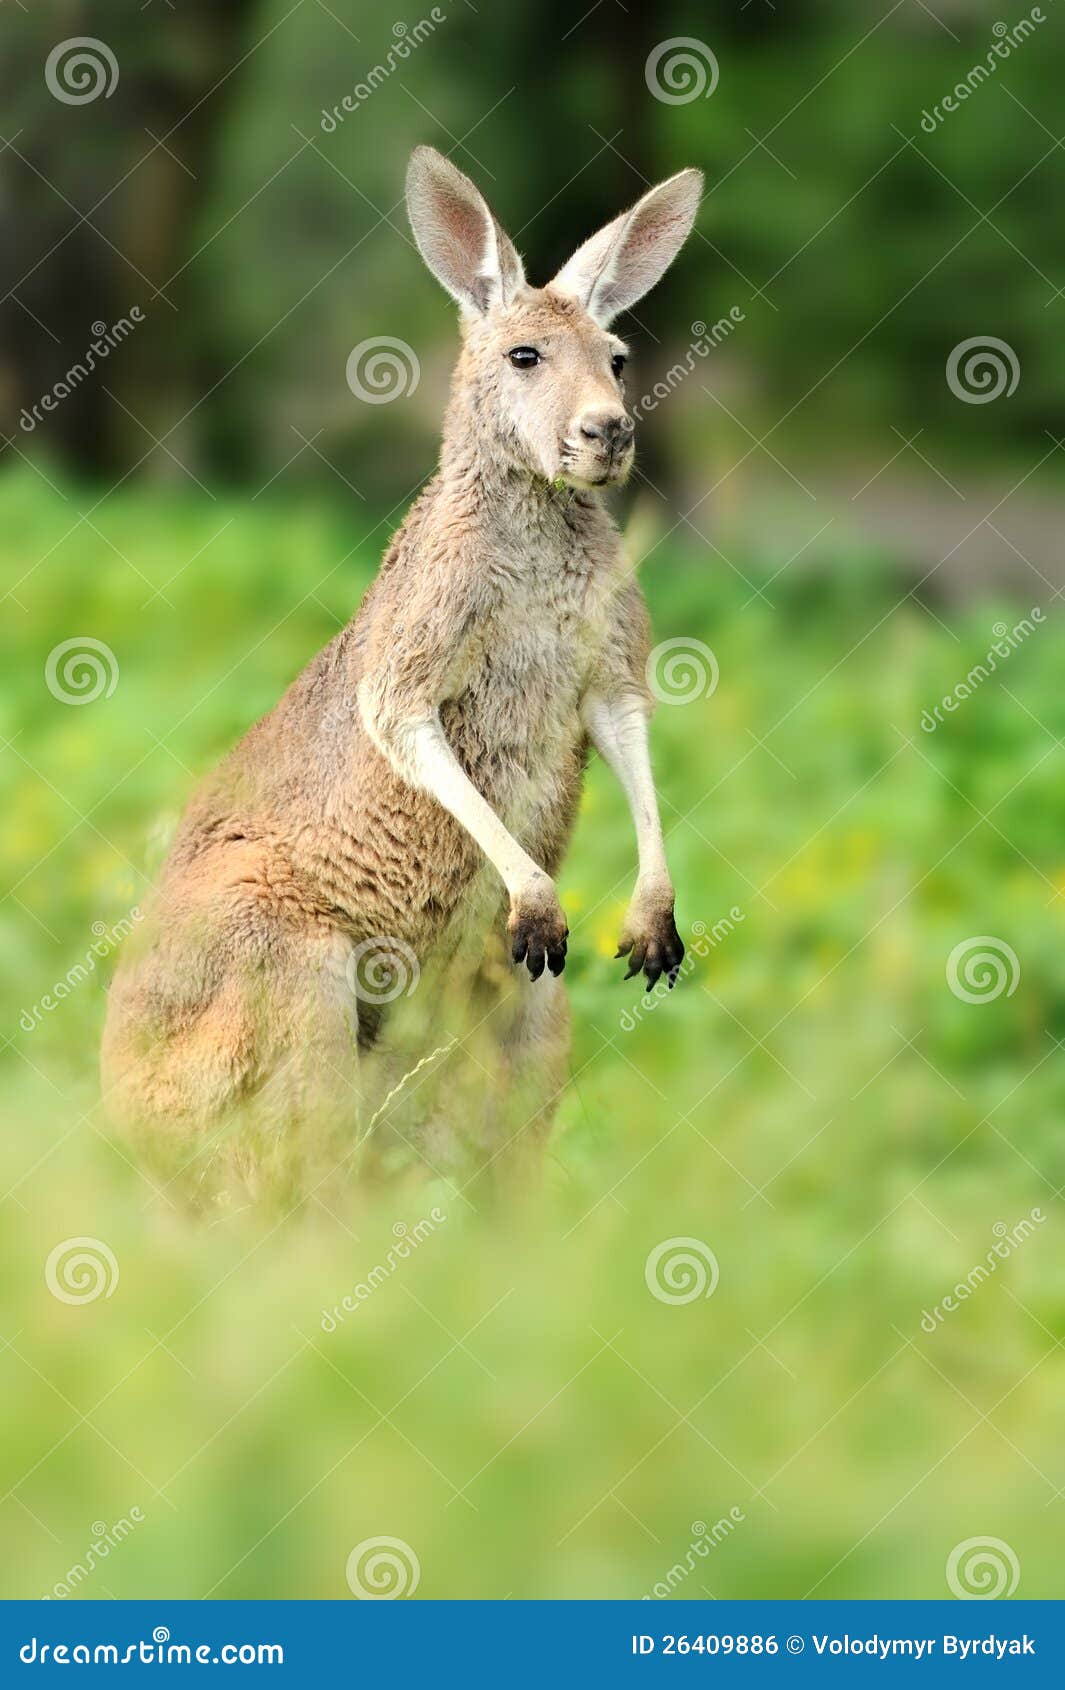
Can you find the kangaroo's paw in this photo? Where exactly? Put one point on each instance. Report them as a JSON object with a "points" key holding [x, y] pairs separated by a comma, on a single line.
{"points": [[537, 927], [649, 938]]}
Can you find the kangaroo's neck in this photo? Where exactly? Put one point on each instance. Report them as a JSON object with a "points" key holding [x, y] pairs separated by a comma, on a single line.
{"points": [[502, 500]]}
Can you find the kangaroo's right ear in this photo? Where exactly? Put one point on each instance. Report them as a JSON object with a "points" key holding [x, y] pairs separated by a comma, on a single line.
{"points": [[457, 235]]}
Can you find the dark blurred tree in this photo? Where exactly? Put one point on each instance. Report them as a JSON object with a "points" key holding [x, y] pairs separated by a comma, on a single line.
{"points": [[98, 205], [860, 248]]}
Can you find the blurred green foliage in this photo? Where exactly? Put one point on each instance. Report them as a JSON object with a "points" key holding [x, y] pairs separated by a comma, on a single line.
{"points": [[813, 1103]]}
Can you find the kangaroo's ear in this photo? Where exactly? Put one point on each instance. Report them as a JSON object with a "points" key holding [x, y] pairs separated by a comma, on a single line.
{"points": [[457, 235], [625, 259]]}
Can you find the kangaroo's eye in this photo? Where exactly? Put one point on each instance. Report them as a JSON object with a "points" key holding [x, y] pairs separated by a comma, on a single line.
{"points": [[617, 364], [523, 357]]}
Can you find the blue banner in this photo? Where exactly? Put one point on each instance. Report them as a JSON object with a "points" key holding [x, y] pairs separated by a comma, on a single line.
{"points": [[538, 1643]]}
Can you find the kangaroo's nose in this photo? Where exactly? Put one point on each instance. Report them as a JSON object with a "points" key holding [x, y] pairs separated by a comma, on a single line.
{"points": [[614, 428]]}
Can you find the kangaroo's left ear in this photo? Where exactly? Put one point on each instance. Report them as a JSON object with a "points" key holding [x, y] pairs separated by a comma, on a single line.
{"points": [[625, 259]]}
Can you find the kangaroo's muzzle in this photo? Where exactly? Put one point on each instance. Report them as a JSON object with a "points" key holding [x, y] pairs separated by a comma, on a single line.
{"points": [[607, 437]]}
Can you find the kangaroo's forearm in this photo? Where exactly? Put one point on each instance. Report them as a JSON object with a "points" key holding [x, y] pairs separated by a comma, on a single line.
{"points": [[419, 751], [618, 730]]}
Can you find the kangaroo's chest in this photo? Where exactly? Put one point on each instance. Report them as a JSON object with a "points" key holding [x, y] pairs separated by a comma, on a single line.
{"points": [[528, 666]]}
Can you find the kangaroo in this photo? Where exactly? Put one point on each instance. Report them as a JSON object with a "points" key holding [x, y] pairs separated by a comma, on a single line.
{"points": [[393, 828]]}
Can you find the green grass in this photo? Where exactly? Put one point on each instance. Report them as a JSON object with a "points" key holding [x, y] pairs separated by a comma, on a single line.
{"points": [[813, 1103]]}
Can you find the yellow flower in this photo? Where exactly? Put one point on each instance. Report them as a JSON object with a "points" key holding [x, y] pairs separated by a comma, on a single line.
{"points": [[607, 930]]}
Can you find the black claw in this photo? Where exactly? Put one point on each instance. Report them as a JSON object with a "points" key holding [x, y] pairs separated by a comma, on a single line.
{"points": [[538, 947], [674, 955], [659, 954], [636, 961]]}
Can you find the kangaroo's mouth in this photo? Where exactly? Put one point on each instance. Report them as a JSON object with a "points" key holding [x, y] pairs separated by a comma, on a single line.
{"points": [[604, 468]]}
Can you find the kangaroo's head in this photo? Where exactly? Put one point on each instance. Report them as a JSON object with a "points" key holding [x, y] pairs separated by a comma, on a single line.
{"points": [[541, 373]]}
